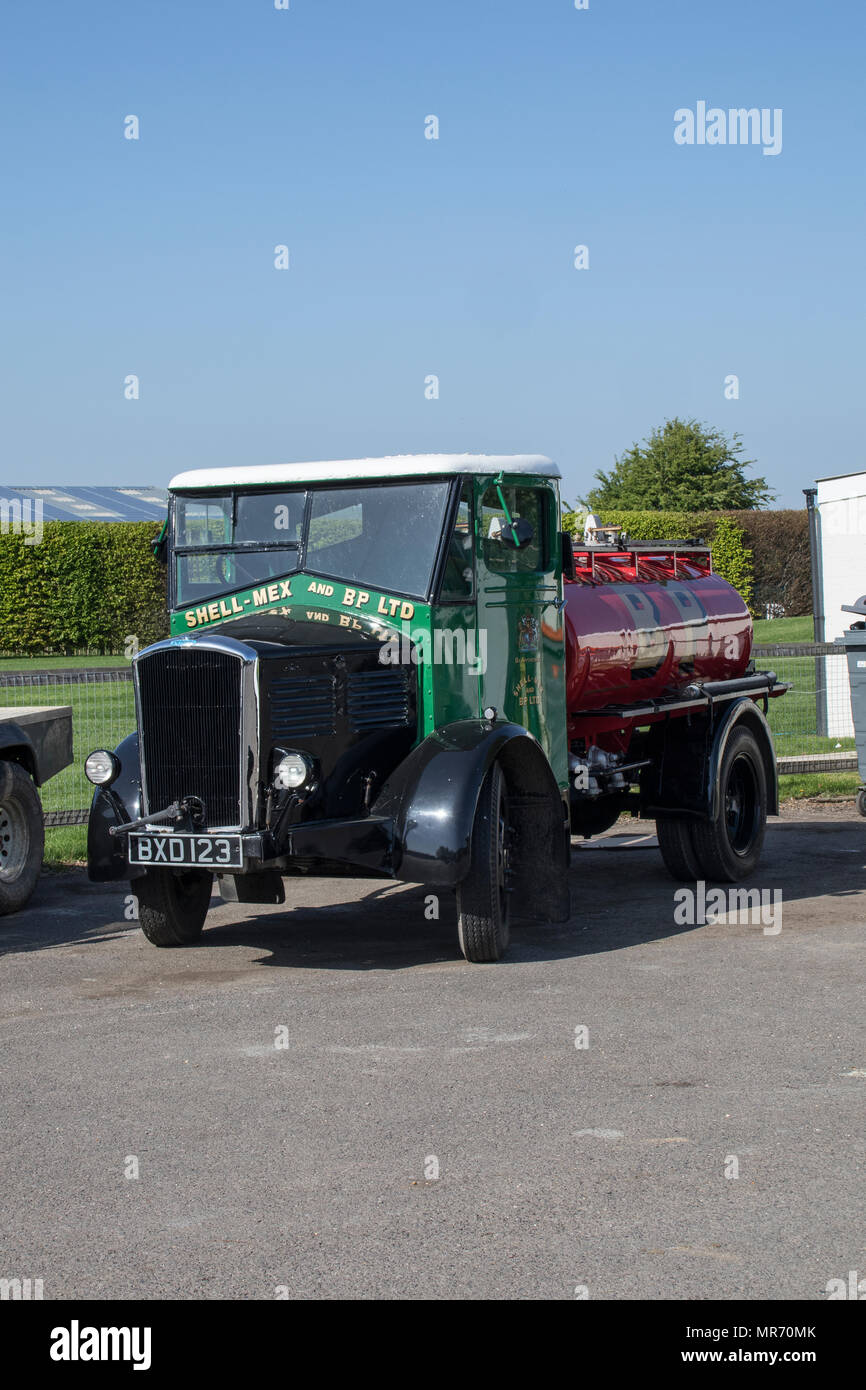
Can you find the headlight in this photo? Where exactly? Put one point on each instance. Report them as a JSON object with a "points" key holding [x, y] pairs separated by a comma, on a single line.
{"points": [[291, 771], [101, 768]]}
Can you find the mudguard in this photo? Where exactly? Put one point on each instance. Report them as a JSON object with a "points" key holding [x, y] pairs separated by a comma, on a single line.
{"points": [[16, 747], [684, 777], [114, 805], [742, 712], [431, 799]]}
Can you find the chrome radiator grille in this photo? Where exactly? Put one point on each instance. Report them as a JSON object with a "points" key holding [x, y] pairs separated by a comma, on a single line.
{"points": [[190, 730]]}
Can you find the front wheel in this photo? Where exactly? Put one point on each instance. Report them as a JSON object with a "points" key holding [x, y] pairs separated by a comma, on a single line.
{"points": [[482, 897], [22, 837], [172, 906], [861, 801]]}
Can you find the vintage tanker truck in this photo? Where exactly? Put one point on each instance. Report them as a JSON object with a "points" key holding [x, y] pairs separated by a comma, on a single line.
{"points": [[402, 667]]}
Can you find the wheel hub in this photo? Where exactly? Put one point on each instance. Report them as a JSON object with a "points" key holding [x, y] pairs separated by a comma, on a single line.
{"points": [[14, 843], [741, 805]]}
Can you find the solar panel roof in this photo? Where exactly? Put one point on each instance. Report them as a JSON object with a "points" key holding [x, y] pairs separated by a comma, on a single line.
{"points": [[93, 503]]}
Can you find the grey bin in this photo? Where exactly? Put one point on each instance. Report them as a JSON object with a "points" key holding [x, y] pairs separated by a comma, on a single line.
{"points": [[854, 642]]}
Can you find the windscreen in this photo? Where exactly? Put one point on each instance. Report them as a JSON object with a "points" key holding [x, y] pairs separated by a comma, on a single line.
{"points": [[385, 536]]}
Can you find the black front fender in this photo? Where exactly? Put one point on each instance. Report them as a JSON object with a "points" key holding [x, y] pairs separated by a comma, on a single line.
{"points": [[114, 805], [431, 799], [432, 796]]}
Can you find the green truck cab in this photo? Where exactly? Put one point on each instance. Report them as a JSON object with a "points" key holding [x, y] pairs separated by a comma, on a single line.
{"points": [[365, 676]]}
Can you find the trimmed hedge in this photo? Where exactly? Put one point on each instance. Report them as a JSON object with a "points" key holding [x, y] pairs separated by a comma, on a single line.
{"points": [[782, 560], [90, 586], [768, 551], [87, 587]]}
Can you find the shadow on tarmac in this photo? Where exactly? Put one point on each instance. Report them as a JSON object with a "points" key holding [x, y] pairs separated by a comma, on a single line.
{"points": [[621, 895]]}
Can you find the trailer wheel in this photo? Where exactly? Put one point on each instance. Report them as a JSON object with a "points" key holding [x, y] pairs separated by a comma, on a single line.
{"points": [[482, 897], [22, 837], [172, 906], [729, 847], [674, 835]]}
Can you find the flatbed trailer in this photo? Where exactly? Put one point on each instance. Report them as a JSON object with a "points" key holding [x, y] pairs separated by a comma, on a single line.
{"points": [[35, 744]]}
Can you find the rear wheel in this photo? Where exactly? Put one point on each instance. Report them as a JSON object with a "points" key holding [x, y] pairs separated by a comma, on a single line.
{"points": [[482, 897], [172, 906], [678, 851], [22, 837], [729, 846]]}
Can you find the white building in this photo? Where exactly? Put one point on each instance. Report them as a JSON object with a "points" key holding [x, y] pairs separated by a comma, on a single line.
{"points": [[841, 512]]}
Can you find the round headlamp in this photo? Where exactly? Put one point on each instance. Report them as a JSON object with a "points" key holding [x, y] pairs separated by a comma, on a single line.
{"points": [[291, 771], [101, 768]]}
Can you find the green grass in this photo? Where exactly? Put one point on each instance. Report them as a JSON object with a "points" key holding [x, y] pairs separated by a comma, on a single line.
{"points": [[784, 630], [793, 716], [842, 785], [65, 845], [63, 663]]}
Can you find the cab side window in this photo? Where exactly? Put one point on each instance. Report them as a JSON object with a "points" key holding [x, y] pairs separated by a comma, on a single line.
{"points": [[458, 579], [522, 503]]}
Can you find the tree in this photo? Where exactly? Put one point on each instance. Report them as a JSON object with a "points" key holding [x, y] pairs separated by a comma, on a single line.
{"points": [[684, 466]]}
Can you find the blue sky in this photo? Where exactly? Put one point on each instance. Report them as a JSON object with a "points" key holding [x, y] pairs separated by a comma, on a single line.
{"points": [[412, 257]]}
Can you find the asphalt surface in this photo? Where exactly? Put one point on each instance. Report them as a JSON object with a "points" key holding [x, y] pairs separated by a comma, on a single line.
{"points": [[309, 1168]]}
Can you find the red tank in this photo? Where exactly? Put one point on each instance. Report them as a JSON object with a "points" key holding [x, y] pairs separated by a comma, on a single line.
{"points": [[641, 622]]}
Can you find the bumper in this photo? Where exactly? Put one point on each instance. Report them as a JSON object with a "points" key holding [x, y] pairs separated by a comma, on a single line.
{"points": [[360, 846]]}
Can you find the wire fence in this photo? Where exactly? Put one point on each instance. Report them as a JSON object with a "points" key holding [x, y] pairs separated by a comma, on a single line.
{"points": [[814, 717], [812, 724], [103, 713]]}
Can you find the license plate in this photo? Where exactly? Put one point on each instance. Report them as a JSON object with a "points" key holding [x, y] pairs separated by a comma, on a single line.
{"points": [[210, 851]]}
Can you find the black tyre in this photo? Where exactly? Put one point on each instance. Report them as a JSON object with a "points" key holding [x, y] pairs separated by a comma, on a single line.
{"points": [[677, 847], [482, 897], [172, 906], [729, 847], [861, 801], [22, 837]]}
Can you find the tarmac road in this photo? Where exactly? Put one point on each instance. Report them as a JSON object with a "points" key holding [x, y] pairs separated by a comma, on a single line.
{"points": [[308, 1169]]}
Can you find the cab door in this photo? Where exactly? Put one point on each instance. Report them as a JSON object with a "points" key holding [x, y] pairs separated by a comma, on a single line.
{"points": [[520, 607]]}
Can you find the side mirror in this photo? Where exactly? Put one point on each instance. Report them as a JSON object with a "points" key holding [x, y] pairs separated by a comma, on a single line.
{"points": [[158, 546], [518, 534], [567, 547]]}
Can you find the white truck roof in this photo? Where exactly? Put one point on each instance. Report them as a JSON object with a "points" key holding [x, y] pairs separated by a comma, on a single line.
{"points": [[334, 470]]}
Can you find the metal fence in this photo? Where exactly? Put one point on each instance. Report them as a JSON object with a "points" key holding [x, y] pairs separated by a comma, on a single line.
{"points": [[811, 724], [103, 712]]}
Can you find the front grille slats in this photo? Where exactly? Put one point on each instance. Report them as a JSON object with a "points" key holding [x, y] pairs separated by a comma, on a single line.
{"points": [[312, 705], [378, 700], [303, 706], [190, 711]]}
